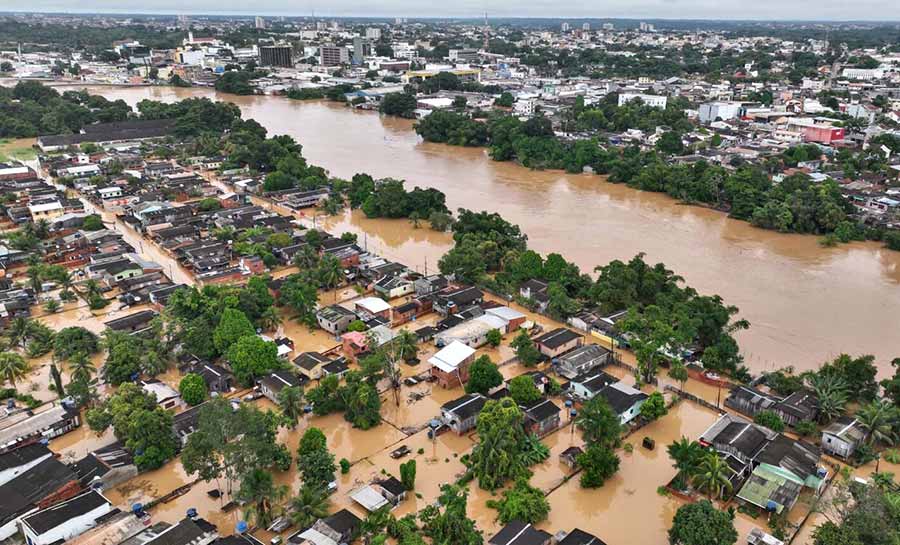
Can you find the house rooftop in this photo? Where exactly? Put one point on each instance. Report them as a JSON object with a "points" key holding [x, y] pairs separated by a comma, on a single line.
{"points": [[580, 537], [466, 406], [542, 410], [520, 533], [449, 358], [53, 516], [556, 338]]}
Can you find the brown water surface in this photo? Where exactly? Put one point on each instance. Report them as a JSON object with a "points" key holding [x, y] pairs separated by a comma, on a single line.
{"points": [[805, 303]]}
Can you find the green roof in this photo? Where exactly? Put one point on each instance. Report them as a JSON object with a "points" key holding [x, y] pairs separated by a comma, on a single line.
{"points": [[770, 484]]}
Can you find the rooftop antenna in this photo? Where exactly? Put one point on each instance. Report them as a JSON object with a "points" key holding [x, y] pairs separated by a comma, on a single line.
{"points": [[486, 33]]}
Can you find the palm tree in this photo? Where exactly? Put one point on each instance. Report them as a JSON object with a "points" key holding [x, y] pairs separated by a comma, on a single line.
{"points": [[713, 475], [308, 506], [81, 367], [65, 280], [19, 331], [306, 258], [831, 392], [13, 367], [686, 455], [42, 229], [35, 277], [678, 372], [290, 401], [261, 494], [878, 419], [270, 319], [407, 344], [331, 274]]}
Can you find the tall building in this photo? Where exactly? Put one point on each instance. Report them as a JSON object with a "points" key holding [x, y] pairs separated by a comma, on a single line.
{"points": [[332, 55], [260, 22], [373, 33], [362, 48], [586, 27], [276, 55], [566, 27]]}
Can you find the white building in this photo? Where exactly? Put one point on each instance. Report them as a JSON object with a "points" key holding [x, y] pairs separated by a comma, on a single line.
{"points": [[373, 33], [525, 107], [66, 520], [712, 111], [863, 74], [655, 101]]}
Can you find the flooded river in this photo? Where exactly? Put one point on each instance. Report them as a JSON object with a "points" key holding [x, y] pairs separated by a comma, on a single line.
{"points": [[805, 303]]}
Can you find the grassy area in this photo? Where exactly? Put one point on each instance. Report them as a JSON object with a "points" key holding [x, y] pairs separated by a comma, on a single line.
{"points": [[20, 148]]}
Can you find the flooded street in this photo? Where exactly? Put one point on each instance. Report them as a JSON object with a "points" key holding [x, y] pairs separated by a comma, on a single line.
{"points": [[628, 509], [805, 303]]}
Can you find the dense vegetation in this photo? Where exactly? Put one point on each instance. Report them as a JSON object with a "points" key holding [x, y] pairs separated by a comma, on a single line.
{"points": [[30, 109]]}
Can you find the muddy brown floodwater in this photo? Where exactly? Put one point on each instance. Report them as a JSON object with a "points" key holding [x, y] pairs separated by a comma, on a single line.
{"points": [[805, 303]]}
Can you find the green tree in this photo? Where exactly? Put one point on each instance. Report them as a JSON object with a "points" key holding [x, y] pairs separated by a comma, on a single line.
{"points": [[251, 357], [144, 428], [483, 376], [399, 104], [770, 420], [300, 294], [261, 493], [290, 401], [679, 372], [523, 391], [233, 325], [81, 367], [701, 523], [74, 339], [309, 505], [713, 475], [13, 367], [193, 389], [362, 404], [686, 456], [654, 407], [521, 502], [451, 525], [315, 462], [599, 424], [123, 359], [408, 474], [598, 463], [526, 352], [501, 438], [879, 418], [505, 100]]}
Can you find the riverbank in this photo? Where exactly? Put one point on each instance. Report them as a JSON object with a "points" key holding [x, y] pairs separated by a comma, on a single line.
{"points": [[806, 304]]}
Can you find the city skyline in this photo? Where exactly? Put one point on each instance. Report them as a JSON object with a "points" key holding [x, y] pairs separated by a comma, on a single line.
{"points": [[765, 10]]}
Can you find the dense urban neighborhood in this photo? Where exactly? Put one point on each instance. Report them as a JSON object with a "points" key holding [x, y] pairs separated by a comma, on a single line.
{"points": [[208, 338]]}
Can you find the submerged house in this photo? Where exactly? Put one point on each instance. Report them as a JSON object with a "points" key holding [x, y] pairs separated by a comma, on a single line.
{"points": [[333, 530], [461, 414], [450, 366], [557, 342], [775, 467], [542, 417], [520, 533], [800, 406], [581, 360], [843, 436]]}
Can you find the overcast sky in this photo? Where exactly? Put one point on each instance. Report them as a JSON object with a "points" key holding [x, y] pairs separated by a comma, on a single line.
{"points": [[870, 10]]}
